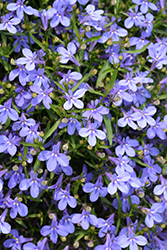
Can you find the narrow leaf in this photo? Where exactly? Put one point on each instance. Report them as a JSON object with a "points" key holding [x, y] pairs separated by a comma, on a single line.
{"points": [[107, 122]]}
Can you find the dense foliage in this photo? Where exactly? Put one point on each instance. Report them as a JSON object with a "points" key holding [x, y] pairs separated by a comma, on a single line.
{"points": [[83, 121]]}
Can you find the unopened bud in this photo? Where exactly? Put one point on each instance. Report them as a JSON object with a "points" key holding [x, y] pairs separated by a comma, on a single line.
{"points": [[89, 147], [12, 62], [88, 209], [83, 46], [109, 42], [69, 157], [101, 84], [33, 152], [1, 6], [86, 237], [34, 95], [1, 91], [41, 134], [40, 170], [15, 168], [90, 244], [4, 45], [76, 196], [20, 199], [94, 72], [65, 146], [23, 26], [82, 179], [88, 28], [76, 244], [9, 85], [63, 239], [56, 39], [81, 142], [156, 102], [150, 87], [44, 183], [77, 11], [51, 216], [24, 163]]}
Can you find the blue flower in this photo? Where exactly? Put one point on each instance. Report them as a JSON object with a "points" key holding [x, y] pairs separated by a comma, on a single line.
{"points": [[68, 54], [4, 226], [8, 23], [85, 218], [6, 111]]}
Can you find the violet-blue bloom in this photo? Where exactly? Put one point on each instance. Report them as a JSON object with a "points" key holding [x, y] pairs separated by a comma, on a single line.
{"points": [[6, 202], [127, 120], [15, 175], [8, 23], [85, 218], [43, 95], [23, 96], [41, 245], [109, 244], [9, 144], [29, 60], [153, 214], [54, 229], [144, 116], [4, 226], [125, 146], [132, 240], [15, 241], [66, 221], [23, 122], [57, 186], [58, 15], [106, 226], [93, 14], [53, 157], [34, 183], [38, 78], [95, 189], [68, 54], [22, 42], [145, 4], [117, 182], [6, 111], [157, 129], [20, 8], [72, 99], [92, 132], [18, 207], [134, 18], [72, 124], [162, 188], [158, 58], [121, 164], [30, 133], [21, 72], [65, 198], [95, 112]]}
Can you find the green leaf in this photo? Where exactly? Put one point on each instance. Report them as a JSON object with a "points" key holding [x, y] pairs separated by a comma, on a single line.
{"points": [[107, 122], [36, 165], [137, 50], [111, 83], [38, 42], [52, 129], [21, 223], [92, 39], [95, 92], [30, 144], [80, 236], [102, 72]]}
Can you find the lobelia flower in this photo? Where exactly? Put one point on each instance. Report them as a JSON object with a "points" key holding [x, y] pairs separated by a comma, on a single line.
{"points": [[114, 33], [117, 182], [66, 221], [53, 158], [18, 207], [95, 112], [75, 76], [23, 122], [20, 8], [144, 116], [85, 218], [130, 81], [140, 42], [153, 214], [121, 164], [145, 4], [34, 183], [43, 95], [134, 18], [15, 175], [68, 54], [158, 58], [29, 60], [9, 144], [72, 99], [16, 241], [21, 72], [72, 125], [152, 170], [6, 202], [45, 15], [21, 41], [1, 182], [54, 229], [125, 146], [30, 133], [4, 226], [157, 129], [41, 245], [6, 111], [57, 186], [109, 244], [58, 15], [23, 96], [93, 14], [161, 189], [38, 78], [65, 198], [95, 189], [132, 240], [92, 132], [106, 226], [148, 24], [127, 119], [8, 23]]}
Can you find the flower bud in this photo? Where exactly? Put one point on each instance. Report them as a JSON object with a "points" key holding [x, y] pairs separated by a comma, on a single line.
{"points": [[24, 163], [34, 95], [90, 244], [15, 168], [1, 91], [41, 134], [76, 244], [12, 62], [9, 85], [1, 6], [51, 216]]}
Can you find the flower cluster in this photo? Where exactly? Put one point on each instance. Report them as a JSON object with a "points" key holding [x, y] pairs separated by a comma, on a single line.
{"points": [[83, 121]]}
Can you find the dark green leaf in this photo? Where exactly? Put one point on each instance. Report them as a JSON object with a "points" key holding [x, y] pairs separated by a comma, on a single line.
{"points": [[107, 122]]}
